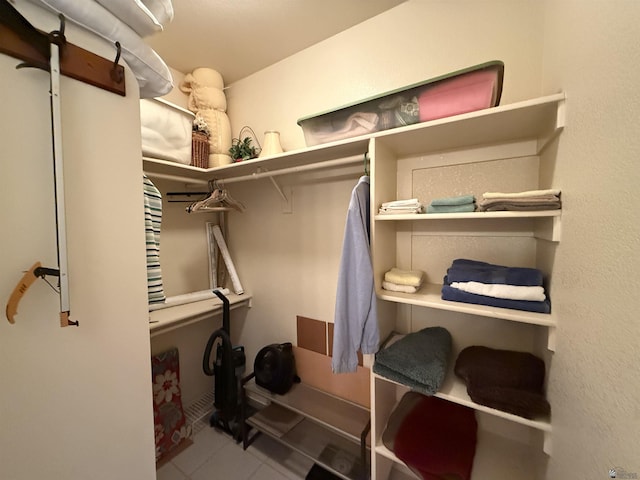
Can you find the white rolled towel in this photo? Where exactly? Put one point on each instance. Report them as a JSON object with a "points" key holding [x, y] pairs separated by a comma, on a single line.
{"points": [[501, 290], [399, 288], [412, 278]]}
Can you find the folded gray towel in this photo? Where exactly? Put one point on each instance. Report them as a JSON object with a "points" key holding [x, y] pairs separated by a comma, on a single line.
{"points": [[418, 360], [459, 200]]}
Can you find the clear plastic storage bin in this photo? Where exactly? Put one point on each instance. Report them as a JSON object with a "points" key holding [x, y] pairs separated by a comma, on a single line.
{"points": [[463, 91]]}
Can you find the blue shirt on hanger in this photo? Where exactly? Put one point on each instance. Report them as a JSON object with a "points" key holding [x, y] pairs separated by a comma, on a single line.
{"points": [[356, 320]]}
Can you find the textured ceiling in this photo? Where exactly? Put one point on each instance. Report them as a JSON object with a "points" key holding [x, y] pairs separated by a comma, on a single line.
{"points": [[240, 37]]}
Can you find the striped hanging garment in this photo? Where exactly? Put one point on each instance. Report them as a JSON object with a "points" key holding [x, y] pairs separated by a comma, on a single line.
{"points": [[152, 221]]}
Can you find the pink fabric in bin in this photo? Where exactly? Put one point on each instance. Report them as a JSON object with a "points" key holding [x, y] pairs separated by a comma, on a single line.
{"points": [[466, 93]]}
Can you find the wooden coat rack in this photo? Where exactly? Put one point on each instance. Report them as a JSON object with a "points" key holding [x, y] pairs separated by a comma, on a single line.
{"points": [[51, 52], [21, 40]]}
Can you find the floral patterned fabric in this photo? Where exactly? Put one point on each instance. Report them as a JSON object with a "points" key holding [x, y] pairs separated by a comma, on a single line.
{"points": [[170, 425]]}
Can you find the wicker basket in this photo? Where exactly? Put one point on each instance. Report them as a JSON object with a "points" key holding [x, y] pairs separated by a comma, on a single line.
{"points": [[200, 150]]}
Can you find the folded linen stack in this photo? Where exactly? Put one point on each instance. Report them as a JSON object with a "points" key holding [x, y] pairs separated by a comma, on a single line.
{"points": [[405, 281], [507, 380], [398, 207], [419, 359], [531, 200], [459, 204], [480, 283]]}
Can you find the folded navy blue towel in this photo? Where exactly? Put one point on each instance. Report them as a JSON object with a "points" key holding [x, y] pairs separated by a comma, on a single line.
{"points": [[463, 270], [418, 360], [456, 295]]}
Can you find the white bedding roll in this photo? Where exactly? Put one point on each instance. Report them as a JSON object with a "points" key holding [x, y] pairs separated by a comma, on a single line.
{"points": [[161, 9], [135, 14]]}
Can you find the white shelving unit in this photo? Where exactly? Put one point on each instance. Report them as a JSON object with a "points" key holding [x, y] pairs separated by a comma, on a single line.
{"points": [[320, 426], [170, 318], [518, 131]]}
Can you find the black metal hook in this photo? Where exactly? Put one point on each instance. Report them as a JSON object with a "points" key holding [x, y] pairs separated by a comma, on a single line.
{"points": [[117, 74], [57, 36]]}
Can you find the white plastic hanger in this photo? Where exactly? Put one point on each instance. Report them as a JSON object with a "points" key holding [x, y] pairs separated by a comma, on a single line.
{"points": [[219, 200]]}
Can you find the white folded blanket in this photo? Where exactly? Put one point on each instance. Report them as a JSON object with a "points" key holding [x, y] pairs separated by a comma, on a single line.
{"points": [[412, 278], [399, 288], [529, 193], [165, 131], [501, 290]]}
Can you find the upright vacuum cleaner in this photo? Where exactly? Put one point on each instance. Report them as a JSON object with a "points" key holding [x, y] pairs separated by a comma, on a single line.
{"points": [[228, 368]]}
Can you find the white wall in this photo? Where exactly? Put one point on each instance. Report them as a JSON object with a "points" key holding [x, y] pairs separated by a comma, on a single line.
{"points": [[592, 52], [290, 261], [413, 42], [75, 402], [588, 49]]}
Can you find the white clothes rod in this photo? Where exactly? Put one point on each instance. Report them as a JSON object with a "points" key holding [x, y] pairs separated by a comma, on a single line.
{"points": [[264, 173], [302, 168], [177, 178]]}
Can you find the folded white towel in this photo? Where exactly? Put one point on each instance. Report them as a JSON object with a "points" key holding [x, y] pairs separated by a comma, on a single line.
{"points": [[400, 211], [501, 290], [401, 207], [399, 288], [412, 278], [529, 193], [402, 203]]}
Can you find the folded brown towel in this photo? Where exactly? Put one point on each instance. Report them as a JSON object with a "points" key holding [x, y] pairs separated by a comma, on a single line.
{"points": [[540, 202], [504, 379], [512, 400]]}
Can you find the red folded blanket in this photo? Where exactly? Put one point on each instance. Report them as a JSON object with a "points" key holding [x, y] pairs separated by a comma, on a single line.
{"points": [[434, 437]]}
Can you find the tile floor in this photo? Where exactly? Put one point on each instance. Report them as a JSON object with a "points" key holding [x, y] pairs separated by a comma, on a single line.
{"points": [[215, 455]]}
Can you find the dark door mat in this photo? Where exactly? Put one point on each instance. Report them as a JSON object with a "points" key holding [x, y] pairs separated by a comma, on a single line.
{"points": [[319, 473]]}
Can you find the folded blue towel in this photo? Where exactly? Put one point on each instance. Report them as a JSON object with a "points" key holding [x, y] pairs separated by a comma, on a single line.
{"points": [[463, 270], [456, 295], [460, 200], [469, 207], [418, 360]]}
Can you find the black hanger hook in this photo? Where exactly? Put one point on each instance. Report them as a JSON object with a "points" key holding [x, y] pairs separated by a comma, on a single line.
{"points": [[117, 74], [57, 36]]}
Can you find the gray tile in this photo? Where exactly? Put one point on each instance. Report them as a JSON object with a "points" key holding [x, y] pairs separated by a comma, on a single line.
{"points": [[265, 472], [169, 472], [230, 462], [291, 464], [205, 444], [294, 467]]}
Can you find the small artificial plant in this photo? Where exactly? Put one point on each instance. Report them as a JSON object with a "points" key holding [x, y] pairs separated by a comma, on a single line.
{"points": [[242, 149]]}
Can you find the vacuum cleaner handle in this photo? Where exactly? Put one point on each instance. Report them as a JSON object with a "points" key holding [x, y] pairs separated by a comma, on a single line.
{"points": [[226, 351], [226, 326]]}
